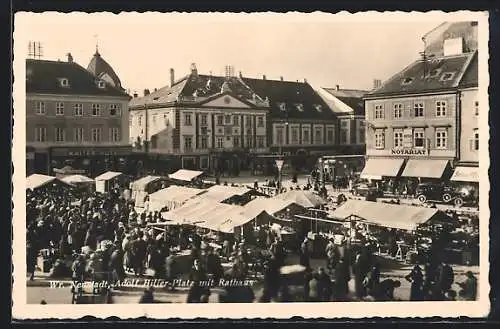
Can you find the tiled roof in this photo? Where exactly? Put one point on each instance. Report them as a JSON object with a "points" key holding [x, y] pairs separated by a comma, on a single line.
{"points": [[44, 76], [351, 97], [300, 100], [471, 75], [165, 95], [440, 73], [99, 67]]}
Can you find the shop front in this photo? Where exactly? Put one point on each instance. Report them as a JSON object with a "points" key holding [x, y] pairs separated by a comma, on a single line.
{"points": [[94, 160]]}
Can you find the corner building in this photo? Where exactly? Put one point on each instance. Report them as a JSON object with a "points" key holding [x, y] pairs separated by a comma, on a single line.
{"points": [[420, 123]]}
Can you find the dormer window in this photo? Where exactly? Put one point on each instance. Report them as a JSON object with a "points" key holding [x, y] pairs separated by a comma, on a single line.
{"points": [[64, 82], [101, 84], [407, 81], [300, 107], [318, 107], [434, 73], [447, 76]]}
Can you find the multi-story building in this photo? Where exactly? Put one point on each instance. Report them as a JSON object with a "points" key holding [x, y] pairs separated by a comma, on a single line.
{"points": [[420, 123], [74, 115], [200, 122]]}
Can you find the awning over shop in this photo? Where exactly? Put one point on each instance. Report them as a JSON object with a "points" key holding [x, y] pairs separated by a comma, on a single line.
{"points": [[185, 175], [425, 168], [466, 174], [378, 168], [108, 175], [401, 217]]}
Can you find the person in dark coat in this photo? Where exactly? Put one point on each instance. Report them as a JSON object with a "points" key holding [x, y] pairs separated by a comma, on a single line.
{"points": [[445, 277], [385, 290], [372, 279], [342, 278], [116, 263], [147, 296], [31, 259], [197, 276], [325, 285], [417, 280], [304, 254], [139, 250]]}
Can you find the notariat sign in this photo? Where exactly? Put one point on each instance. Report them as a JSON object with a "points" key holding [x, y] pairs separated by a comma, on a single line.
{"points": [[417, 152]]}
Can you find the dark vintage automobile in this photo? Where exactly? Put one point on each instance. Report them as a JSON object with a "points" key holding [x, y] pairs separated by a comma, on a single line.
{"points": [[448, 193], [364, 189]]}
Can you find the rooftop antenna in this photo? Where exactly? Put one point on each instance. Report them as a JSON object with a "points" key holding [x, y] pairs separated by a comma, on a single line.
{"points": [[424, 56], [35, 49], [96, 37]]}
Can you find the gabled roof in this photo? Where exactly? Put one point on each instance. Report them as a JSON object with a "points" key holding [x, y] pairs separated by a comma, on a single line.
{"points": [[431, 75], [352, 98], [43, 76], [300, 100]]}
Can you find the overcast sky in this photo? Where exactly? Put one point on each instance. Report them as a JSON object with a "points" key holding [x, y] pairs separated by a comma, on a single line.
{"points": [[143, 47]]}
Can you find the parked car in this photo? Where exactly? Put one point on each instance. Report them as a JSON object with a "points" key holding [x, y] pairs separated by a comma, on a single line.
{"points": [[364, 189], [457, 195]]}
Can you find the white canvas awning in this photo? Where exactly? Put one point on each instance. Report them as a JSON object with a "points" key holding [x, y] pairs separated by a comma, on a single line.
{"points": [[108, 175], [172, 197], [185, 175], [77, 179], [307, 199], [378, 168], [466, 174], [425, 168], [37, 180]]}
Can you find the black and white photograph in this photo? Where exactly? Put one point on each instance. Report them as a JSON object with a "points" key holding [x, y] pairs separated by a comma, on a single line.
{"points": [[303, 164]]}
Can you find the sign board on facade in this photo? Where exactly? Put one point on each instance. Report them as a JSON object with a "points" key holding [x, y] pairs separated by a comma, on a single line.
{"points": [[408, 138], [90, 152], [279, 164], [410, 151]]}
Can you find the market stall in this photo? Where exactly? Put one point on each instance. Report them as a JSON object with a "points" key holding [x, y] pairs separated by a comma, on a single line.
{"points": [[306, 199], [109, 180], [144, 186], [185, 176], [36, 181], [171, 197]]}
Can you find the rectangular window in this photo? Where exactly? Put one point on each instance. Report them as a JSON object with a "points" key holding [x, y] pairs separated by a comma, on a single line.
{"points": [[236, 141], [78, 134], [187, 119], [40, 108], [398, 138], [280, 140], [188, 142], [418, 139], [418, 110], [318, 136], [139, 120], [60, 134], [59, 108], [475, 141], [343, 136], [154, 119], [115, 110], [236, 120], [249, 141], [379, 140], [441, 139], [220, 142], [305, 136], [96, 134], [220, 120], [96, 110], [249, 122], [114, 134], [398, 111], [78, 108], [379, 111], [260, 121], [295, 135], [203, 119], [441, 108], [476, 108], [40, 134], [260, 142], [330, 135], [204, 142], [361, 132], [227, 119]]}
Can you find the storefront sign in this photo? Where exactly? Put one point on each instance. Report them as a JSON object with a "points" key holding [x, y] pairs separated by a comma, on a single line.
{"points": [[90, 151], [409, 151]]}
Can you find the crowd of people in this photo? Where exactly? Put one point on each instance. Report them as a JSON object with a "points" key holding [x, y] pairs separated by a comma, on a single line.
{"points": [[100, 236]]}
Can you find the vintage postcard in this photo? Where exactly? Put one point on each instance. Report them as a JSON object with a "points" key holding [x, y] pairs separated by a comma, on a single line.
{"points": [[291, 164]]}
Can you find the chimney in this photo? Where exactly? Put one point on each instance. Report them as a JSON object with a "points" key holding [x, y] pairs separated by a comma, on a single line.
{"points": [[337, 87], [453, 46], [305, 80], [264, 77], [377, 83], [135, 95], [281, 78], [146, 92], [70, 58], [172, 77], [240, 74], [156, 89]]}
